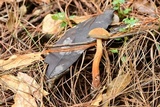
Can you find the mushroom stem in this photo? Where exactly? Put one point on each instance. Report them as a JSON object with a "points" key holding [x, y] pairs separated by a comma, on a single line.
{"points": [[95, 67], [99, 33]]}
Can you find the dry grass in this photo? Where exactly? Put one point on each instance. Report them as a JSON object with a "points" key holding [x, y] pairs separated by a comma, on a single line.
{"points": [[140, 55]]}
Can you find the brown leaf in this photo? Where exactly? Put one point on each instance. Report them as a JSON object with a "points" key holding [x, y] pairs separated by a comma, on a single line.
{"points": [[97, 101], [19, 60], [116, 87], [25, 87], [79, 19], [35, 88], [24, 99], [11, 21], [9, 82], [23, 10], [145, 7], [51, 26]]}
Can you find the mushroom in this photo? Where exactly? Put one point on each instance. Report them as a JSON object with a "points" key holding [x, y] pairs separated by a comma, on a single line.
{"points": [[99, 34]]}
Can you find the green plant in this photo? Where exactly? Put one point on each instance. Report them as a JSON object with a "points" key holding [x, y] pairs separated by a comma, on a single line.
{"points": [[113, 50], [118, 39], [117, 6], [117, 3], [61, 16], [130, 23]]}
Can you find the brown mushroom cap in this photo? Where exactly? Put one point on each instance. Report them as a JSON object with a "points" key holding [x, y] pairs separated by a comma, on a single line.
{"points": [[99, 33]]}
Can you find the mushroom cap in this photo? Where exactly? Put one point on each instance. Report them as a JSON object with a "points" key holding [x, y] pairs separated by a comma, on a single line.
{"points": [[99, 33]]}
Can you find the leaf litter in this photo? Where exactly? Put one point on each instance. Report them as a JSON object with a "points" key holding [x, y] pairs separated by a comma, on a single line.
{"points": [[140, 54], [26, 89], [19, 60]]}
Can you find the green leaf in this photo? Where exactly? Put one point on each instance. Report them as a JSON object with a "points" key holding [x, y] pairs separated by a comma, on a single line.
{"points": [[130, 21], [115, 2], [113, 50], [123, 59], [125, 38], [126, 20], [59, 16], [63, 24], [122, 1], [122, 29], [115, 8], [118, 39], [126, 11], [71, 17], [133, 21]]}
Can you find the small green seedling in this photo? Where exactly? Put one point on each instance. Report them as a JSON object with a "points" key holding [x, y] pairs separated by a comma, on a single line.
{"points": [[117, 6], [130, 23], [122, 29], [117, 3], [61, 16], [113, 50], [122, 13], [126, 11]]}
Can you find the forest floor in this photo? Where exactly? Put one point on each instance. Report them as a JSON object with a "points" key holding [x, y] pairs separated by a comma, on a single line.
{"points": [[129, 68]]}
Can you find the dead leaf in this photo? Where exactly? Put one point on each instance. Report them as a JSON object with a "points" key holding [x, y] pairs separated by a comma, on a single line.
{"points": [[36, 12], [79, 19], [35, 89], [24, 88], [97, 101], [23, 10], [115, 19], [145, 7], [116, 87], [51, 26], [24, 99], [11, 21], [9, 82], [19, 60]]}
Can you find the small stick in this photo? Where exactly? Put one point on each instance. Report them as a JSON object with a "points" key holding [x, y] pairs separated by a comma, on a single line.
{"points": [[68, 48]]}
